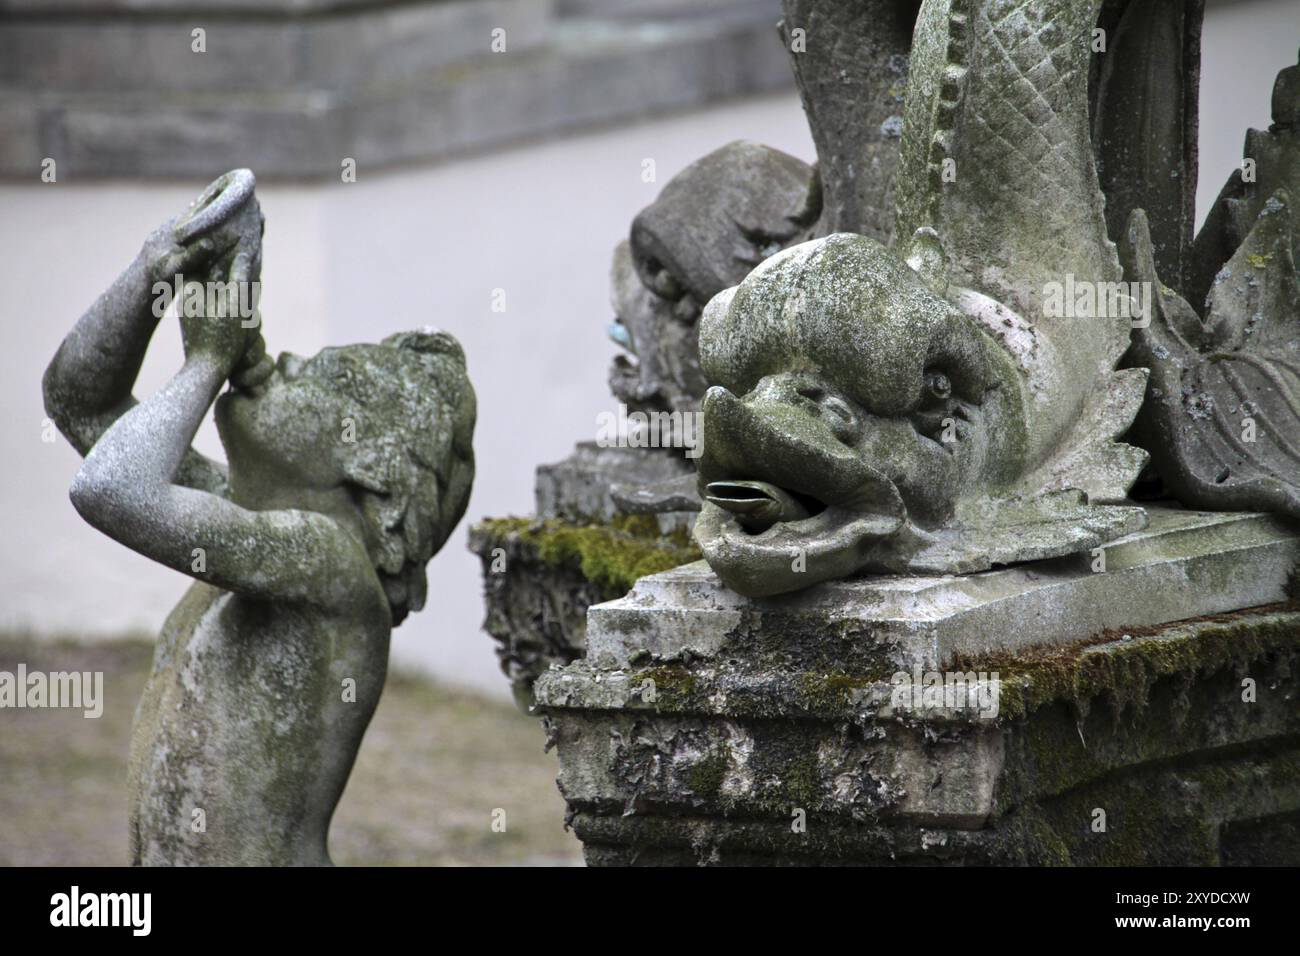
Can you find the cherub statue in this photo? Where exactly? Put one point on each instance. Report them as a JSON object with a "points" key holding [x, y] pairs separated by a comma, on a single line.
{"points": [[347, 472]]}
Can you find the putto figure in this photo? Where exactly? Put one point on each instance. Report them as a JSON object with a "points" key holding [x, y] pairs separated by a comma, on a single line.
{"points": [[347, 472]]}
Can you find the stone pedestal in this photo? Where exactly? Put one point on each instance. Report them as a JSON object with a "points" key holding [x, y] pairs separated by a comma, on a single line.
{"points": [[541, 574], [1045, 713]]}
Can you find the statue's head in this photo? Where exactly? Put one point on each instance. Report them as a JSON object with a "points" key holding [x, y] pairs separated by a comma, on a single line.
{"points": [[712, 223], [387, 427], [851, 411]]}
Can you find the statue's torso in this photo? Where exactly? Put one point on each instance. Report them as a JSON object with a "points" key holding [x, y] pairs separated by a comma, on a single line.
{"points": [[248, 727]]}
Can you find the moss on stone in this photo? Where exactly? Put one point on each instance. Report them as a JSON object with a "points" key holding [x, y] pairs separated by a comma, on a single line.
{"points": [[1292, 588], [1126, 669], [674, 686], [1164, 820], [779, 641], [706, 777], [829, 692], [803, 782], [611, 556]]}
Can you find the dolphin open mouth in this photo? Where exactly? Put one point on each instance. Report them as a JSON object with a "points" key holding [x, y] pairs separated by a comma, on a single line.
{"points": [[786, 501], [765, 538], [757, 505], [769, 543]]}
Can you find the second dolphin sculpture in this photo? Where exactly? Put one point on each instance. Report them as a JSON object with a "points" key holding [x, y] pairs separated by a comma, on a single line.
{"points": [[928, 407]]}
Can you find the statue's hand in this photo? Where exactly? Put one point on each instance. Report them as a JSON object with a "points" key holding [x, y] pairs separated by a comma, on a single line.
{"points": [[165, 258], [224, 334]]}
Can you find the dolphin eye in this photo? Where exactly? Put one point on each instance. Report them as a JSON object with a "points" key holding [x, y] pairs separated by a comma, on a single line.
{"points": [[937, 384]]}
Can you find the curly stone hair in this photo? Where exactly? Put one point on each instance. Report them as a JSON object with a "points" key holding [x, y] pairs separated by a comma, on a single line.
{"points": [[412, 462]]}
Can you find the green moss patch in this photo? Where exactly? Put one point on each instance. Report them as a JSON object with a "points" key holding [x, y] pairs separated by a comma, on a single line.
{"points": [[1126, 669], [611, 556]]}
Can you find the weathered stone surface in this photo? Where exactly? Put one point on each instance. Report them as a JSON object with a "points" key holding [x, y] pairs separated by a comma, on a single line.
{"points": [[711, 224], [540, 576], [1150, 74], [700, 721], [850, 63], [707, 727], [536, 612], [900, 394], [1185, 564], [578, 488], [1223, 405], [1152, 729]]}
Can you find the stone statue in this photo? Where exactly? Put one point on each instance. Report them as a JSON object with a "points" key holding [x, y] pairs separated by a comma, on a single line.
{"points": [[1223, 412], [347, 472], [915, 409], [728, 211], [932, 407], [712, 223]]}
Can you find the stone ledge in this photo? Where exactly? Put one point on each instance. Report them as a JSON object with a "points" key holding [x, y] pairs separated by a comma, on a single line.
{"points": [[186, 8], [1184, 565], [345, 54]]}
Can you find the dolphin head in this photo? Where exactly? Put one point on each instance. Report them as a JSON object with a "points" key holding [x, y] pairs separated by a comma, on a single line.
{"points": [[712, 223], [851, 411]]}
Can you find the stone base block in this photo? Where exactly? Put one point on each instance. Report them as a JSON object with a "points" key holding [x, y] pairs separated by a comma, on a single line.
{"points": [[1185, 564], [1033, 715]]}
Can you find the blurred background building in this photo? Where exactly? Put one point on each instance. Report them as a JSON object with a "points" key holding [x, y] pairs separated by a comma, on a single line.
{"points": [[476, 171]]}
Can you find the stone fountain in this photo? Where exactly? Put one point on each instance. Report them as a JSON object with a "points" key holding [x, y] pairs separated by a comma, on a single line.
{"points": [[998, 489]]}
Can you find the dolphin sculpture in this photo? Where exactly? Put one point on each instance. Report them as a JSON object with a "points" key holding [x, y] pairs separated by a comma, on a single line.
{"points": [[924, 407]]}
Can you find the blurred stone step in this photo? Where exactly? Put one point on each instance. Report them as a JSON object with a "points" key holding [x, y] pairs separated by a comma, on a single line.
{"points": [[292, 93], [278, 47]]}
